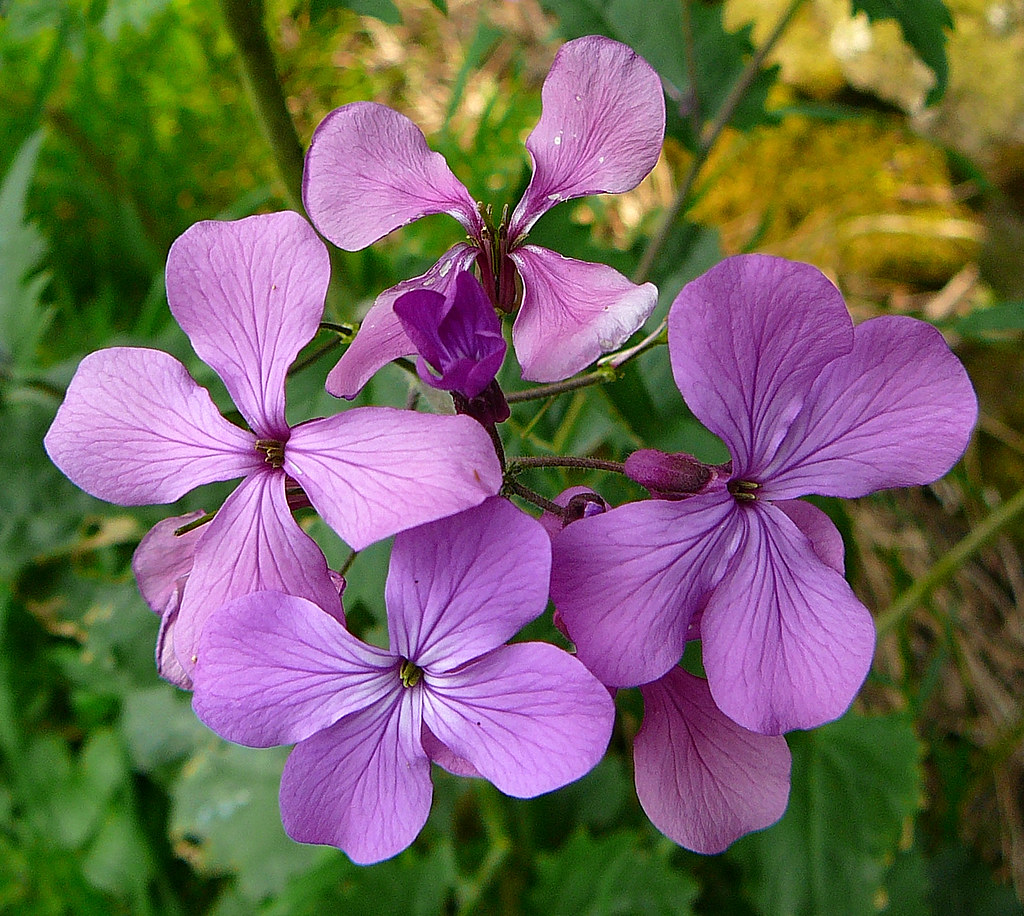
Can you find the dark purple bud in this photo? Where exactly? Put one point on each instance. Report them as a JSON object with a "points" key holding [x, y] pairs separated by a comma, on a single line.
{"points": [[489, 407], [670, 476]]}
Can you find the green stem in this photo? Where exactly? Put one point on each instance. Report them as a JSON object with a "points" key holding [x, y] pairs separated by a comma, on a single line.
{"points": [[601, 374], [950, 562], [568, 461], [531, 496]]}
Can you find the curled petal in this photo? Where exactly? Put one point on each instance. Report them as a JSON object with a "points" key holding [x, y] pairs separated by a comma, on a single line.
{"points": [[443, 756], [167, 664], [135, 428], [463, 585], [381, 337], [702, 779], [369, 170], [819, 530], [529, 717], [374, 471], [250, 295], [572, 312], [897, 411], [363, 784], [746, 341], [163, 557], [275, 669], [627, 582], [601, 128], [786, 643]]}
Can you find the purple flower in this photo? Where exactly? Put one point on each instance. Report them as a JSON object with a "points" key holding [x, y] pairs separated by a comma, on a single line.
{"points": [[765, 354], [369, 170], [135, 428], [275, 669]]}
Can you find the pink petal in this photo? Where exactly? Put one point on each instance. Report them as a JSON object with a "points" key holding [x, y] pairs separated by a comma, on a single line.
{"points": [[465, 584], [600, 130], [369, 170], [786, 643], [381, 337], [162, 558], [572, 312], [702, 779], [135, 428], [362, 785], [746, 341], [626, 583], [250, 295], [374, 471], [819, 530], [897, 411], [252, 544], [529, 717], [443, 756], [167, 664], [275, 669]]}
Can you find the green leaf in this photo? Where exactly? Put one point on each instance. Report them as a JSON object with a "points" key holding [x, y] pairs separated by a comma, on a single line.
{"points": [[384, 10], [924, 24], [610, 876], [1006, 317], [855, 782], [442, 5]]}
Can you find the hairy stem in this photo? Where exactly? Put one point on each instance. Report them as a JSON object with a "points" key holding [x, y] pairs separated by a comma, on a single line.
{"points": [[513, 486], [568, 461]]}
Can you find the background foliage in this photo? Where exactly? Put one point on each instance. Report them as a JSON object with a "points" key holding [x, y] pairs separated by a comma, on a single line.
{"points": [[877, 140]]}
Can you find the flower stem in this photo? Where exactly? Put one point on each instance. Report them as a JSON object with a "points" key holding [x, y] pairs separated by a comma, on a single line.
{"points": [[513, 486], [603, 373], [567, 461]]}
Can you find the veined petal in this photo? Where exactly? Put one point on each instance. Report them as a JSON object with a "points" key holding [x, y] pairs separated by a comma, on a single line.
{"points": [[135, 428], [627, 582], [381, 337], [786, 643], [897, 411], [746, 341], [363, 784], [250, 295], [445, 758], [529, 717], [600, 130], [817, 527], [252, 544], [369, 170], [465, 584], [572, 312], [276, 669], [167, 664], [162, 558], [374, 471], [702, 779]]}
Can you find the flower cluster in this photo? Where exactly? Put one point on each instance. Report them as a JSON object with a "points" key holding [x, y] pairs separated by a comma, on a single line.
{"points": [[764, 354]]}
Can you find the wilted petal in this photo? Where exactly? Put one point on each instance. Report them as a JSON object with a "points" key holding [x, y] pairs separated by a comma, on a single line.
{"points": [[528, 716], [746, 341], [895, 412], [275, 669], [600, 130], [381, 337], [252, 544], [135, 428], [572, 312], [627, 582], [167, 664], [702, 779], [817, 526], [786, 643], [465, 584], [374, 471], [250, 295], [163, 557], [363, 784], [369, 170]]}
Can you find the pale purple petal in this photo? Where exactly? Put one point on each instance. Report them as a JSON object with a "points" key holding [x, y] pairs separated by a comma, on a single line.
{"points": [[702, 779], [252, 544], [167, 664], [572, 312], [443, 756], [369, 170], [381, 337], [627, 582], [819, 530], [373, 471], [465, 584], [135, 428], [600, 130], [528, 716], [362, 785], [163, 557], [895, 412], [275, 669], [250, 295], [786, 643], [746, 341]]}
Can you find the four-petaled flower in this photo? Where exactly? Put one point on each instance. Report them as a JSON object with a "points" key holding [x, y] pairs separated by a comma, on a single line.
{"points": [[369, 170]]}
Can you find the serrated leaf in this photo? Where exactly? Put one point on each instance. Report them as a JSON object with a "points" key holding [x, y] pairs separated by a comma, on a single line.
{"points": [[924, 24], [855, 782]]}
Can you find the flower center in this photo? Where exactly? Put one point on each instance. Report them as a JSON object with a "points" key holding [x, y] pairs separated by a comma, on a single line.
{"points": [[743, 491], [497, 270], [273, 451], [409, 674]]}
